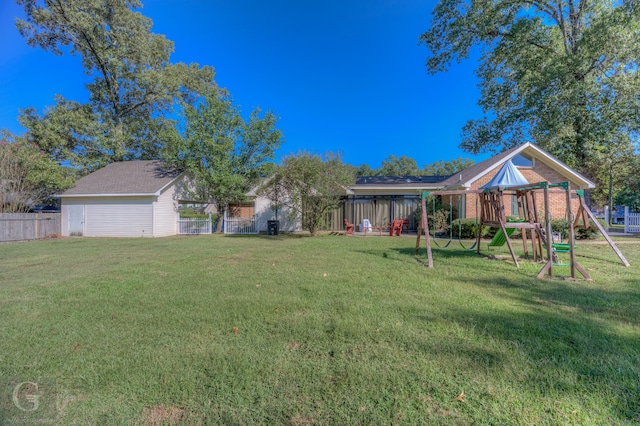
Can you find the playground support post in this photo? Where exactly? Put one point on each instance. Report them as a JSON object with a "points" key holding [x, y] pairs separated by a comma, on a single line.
{"points": [[424, 226]]}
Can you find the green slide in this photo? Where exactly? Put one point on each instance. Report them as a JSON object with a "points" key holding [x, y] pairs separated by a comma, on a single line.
{"points": [[499, 239]]}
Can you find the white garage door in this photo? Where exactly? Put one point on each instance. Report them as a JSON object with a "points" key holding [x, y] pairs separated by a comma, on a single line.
{"points": [[119, 218]]}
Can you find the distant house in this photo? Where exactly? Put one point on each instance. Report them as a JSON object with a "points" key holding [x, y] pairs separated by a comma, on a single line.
{"points": [[382, 199], [124, 199]]}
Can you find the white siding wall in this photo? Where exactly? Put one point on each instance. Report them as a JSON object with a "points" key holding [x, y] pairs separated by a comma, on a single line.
{"points": [[114, 216], [165, 213], [264, 213]]}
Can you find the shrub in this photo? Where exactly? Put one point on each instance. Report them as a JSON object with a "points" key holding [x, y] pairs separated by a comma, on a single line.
{"points": [[588, 234], [560, 226], [467, 229], [439, 221], [190, 213]]}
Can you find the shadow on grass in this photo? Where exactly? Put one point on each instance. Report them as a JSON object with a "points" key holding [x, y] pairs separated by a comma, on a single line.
{"points": [[577, 341], [622, 306], [278, 237]]}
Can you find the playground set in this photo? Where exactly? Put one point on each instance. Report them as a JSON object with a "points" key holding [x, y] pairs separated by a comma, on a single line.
{"points": [[532, 226]]}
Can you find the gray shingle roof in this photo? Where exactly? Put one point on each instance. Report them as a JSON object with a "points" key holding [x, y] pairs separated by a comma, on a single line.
{"points": [[125, 178]]}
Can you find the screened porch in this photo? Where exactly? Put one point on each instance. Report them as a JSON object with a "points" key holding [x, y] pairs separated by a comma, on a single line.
{"points": [[380, 210]]}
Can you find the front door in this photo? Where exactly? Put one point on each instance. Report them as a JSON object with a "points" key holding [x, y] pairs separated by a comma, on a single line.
{"points": [[76, 220]]}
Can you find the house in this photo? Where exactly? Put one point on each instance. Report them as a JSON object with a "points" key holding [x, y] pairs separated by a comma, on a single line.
{"points": [[382, 199], [124, 199], [141, 198]]}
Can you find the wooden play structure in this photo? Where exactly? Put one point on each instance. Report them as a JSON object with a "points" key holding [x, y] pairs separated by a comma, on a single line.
{"points": [[532, 226]]}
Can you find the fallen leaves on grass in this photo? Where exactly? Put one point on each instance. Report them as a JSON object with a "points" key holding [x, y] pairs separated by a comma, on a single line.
{"points": [[235, 330], [460, 397], [76, 347]]}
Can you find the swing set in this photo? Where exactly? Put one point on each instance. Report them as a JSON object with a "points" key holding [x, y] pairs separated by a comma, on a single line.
{"points": [[450, 224], [492, 214]]}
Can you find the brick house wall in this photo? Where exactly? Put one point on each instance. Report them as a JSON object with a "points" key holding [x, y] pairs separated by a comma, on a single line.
{"points": [[540, 172]]}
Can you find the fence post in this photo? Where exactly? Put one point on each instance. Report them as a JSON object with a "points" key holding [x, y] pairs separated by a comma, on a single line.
{"points": [[210, 224], [606, 216], [224, 222], [626, 219]]}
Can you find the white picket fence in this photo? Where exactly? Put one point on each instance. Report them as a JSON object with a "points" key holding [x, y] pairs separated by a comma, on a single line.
{"points": [[194, 226], [631, 221], [241, 225]]}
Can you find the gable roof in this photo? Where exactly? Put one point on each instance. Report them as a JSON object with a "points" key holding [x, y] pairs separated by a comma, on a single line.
{"points": [[508, 175], [125, 178], [466, 177]]}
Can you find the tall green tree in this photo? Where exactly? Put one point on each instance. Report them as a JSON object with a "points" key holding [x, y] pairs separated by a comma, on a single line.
{"points": [[365, 170], [399, 166], [563, 74], [224, 154], [133, 90], [309, 186], [447, 168], [28, 176]]}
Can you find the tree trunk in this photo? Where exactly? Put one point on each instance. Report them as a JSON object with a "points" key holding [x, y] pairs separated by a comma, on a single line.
{"points": [[222, 210], [610, 196]]}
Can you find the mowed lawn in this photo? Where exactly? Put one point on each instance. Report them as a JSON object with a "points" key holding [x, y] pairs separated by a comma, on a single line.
{"points": [[300, 330]]}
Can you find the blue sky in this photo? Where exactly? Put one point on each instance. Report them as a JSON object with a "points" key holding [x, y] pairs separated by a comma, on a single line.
{"points": [[343, 75]]}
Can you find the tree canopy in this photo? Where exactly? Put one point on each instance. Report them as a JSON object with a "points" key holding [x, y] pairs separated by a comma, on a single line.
{"points": [[133, 90], [447, 168], [27, 176], [399, 166], [224, 154], [406, 166], [562, 74], [309, 186]]}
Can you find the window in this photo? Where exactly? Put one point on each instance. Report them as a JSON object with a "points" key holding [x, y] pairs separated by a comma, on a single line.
{"points": [[522, 161], [514, 206]]}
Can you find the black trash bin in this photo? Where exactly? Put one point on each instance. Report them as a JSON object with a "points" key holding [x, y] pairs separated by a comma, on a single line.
{"points": [[273, 227]]}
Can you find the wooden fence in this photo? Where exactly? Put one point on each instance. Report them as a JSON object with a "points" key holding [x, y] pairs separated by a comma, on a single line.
{"points": [[28, 226]]}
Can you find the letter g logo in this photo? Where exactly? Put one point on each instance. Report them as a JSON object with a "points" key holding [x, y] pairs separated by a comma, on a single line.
{"points": [[25, 393]]}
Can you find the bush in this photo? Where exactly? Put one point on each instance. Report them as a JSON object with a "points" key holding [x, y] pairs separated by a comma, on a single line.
{"points": [[191, 213], [439, 221], [588, 234], [466, 229], [560, 226]]}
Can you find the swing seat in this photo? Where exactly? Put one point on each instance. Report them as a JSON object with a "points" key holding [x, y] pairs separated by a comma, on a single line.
{"points": [[562, 247]]}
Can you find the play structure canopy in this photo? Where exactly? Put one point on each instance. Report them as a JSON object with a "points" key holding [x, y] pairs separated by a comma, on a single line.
{"points": [[508, 175]]}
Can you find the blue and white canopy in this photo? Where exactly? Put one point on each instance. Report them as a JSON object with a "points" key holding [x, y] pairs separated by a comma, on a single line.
{"points": [[509, 175]]}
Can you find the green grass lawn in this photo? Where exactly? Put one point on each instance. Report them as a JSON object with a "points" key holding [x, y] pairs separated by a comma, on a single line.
{"points": [[299, 330]]}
